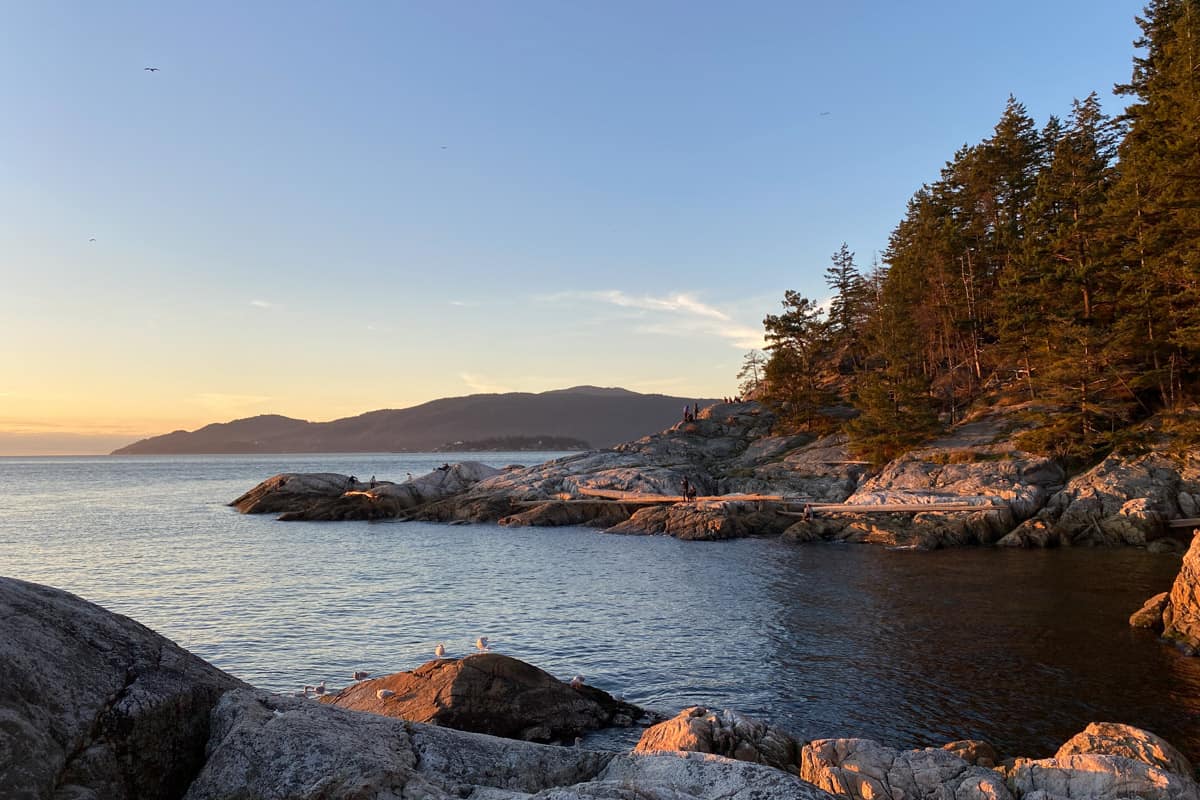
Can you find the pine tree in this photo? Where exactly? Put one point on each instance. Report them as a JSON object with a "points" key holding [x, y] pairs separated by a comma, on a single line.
{"points": [[750, 376], [849, 294], [1155, 211], [799, 345]]}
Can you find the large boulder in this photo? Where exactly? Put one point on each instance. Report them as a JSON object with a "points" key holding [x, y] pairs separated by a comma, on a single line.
{"points": [[489, 693], [1181, 617], [725, 733], [1098, 777], [95, 705], [1177, 614], [266, 746], [862, 769], [1150, 615], [1115, 739]]}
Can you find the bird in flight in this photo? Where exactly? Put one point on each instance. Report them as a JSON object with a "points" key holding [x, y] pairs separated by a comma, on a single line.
{"points": [[825, 113], [92, 239], [150, 69]]}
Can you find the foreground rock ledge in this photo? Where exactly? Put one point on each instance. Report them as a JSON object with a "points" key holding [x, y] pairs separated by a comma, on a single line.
{"points": [[489, 693], [95, 705], [1106, 761], [98, 707]]}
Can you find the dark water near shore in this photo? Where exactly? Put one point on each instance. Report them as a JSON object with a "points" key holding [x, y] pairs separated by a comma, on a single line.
{"points": [[1019, 648]]}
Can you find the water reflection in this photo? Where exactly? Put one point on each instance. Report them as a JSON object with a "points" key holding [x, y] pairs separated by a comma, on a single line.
{"points": [[1019, 648]]}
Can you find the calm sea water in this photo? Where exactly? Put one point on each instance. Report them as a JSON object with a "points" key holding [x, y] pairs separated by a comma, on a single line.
{"points": [[914, 649]]}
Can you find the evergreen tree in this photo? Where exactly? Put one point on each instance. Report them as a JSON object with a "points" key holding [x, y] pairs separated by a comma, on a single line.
{"points": [[750, 376], [799, 344], [1155, 210], [849, 295]]}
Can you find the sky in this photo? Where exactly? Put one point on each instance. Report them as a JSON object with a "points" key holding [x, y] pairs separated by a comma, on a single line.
{"points": [[320, 209]]}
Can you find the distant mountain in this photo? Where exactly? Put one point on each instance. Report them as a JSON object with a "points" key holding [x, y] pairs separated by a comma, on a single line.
{"points": [[601, 416]]}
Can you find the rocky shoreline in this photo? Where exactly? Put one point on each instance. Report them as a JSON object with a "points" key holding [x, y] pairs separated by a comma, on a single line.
{"points": [[98, 706], [729, 454]]}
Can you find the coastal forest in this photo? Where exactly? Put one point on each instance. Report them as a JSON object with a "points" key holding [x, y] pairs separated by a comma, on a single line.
{"points": [[1054, 268]]}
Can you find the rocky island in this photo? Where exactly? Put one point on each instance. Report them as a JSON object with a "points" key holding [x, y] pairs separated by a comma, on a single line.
{"points": [[971, 486]]}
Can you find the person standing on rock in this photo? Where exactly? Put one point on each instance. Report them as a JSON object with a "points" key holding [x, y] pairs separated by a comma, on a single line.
{"points": [[687, 489]]}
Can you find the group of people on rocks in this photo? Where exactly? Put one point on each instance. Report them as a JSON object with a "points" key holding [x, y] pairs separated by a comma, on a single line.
{"points": [[691, 412], [737, 399], [689, 491]]}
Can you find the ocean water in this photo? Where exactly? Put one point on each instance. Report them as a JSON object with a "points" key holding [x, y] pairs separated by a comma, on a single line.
{"points": [[914, 649]]}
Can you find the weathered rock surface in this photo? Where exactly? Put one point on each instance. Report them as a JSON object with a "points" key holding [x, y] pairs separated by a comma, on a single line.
{"points": [[489, 693], [265, 746], [1100, 777], [292, 491], [727, 450], [1115, 739], [705, 521], [724, 733], [1179, 616], [330, 496], [865, 770], [1150, 615], [95, 705], [974, 751], [1106, 761], [1124, 500]]}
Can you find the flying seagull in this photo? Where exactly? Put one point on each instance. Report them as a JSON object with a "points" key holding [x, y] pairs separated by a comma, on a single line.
{"points": [[825, 113], [149, 69], [92, 239]]}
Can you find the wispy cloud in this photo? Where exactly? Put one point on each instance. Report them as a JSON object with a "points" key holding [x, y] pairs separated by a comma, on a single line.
{"points": [[675, 315], [263, 304], [481, 383], [464, 303]]}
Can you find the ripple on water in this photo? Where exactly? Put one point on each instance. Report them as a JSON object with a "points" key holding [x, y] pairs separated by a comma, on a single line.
{"points": [[1020, 648]]}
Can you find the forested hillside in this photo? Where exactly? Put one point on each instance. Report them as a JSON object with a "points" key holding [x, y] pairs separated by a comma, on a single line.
{"points": [[1057, 264]]}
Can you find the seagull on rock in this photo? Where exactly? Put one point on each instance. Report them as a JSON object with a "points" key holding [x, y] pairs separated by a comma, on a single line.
{"points": [[440, 650], [481, 644], [577, 682], [359, 675], [384, 694], [319, 689]]}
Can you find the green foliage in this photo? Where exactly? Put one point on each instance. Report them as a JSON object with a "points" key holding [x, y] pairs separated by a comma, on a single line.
{"points": [[1061, 265], [799, 344]]}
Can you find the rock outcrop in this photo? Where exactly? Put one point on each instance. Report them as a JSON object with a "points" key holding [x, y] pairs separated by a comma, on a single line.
{"points": [[1097, 777], [862, 769], [95, 705], [1177, 614], [1122, 500], [293, 491], [265, 746], [330, 496], [489, 693], [724, 733], [729, 454], [1115, 739]]}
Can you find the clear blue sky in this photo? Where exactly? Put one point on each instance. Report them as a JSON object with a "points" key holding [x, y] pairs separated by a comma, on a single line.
{"points": [[321, 209]]}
